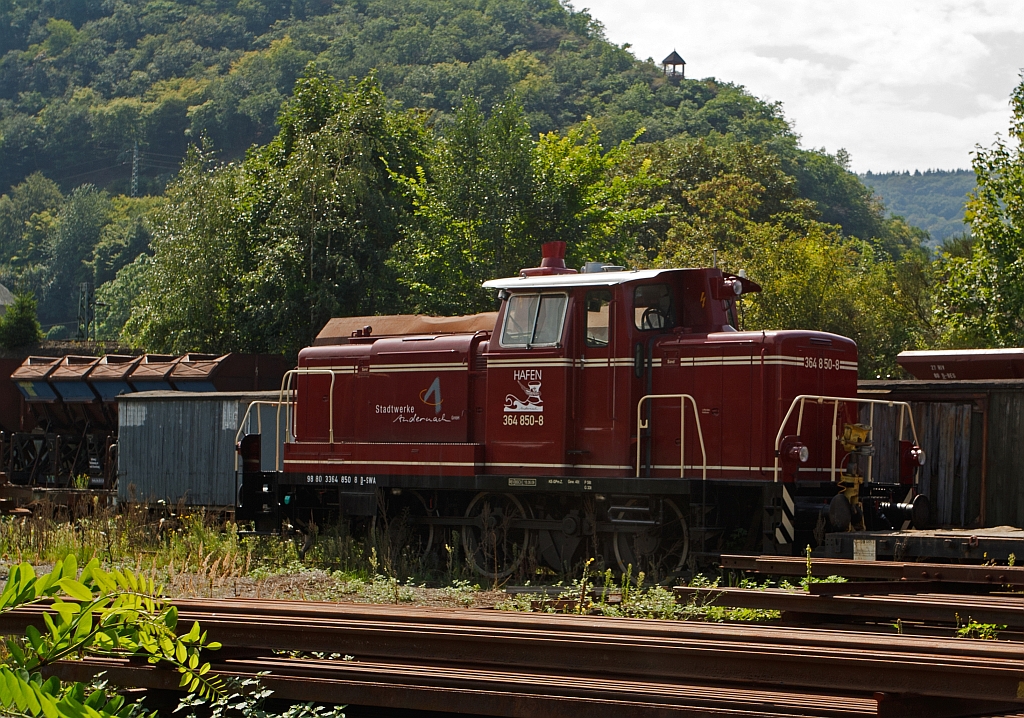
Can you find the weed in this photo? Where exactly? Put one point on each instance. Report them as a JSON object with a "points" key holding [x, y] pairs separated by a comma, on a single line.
{"points": [[634, 600], [521, 602], [655, 602], [826, 579], [973, 629], [460, 592], [384, 589]]}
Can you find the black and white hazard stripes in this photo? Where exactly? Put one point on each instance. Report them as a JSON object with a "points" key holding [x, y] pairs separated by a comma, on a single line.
{"points": [[784, 532]]}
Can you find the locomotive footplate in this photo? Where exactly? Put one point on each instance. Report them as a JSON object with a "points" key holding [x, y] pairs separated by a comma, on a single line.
{"points": [[266, 494], [611, 485]]}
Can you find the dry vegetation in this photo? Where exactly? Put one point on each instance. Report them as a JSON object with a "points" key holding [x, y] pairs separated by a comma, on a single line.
{"points": [[196, 554]]}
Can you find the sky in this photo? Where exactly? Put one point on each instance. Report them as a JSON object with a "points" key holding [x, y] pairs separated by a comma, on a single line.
{"points": [[900, 84]]}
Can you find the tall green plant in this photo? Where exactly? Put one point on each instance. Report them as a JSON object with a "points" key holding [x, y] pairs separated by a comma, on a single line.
{"points": [[185, 302], [258, 256], [92, 613], [19, 325]]}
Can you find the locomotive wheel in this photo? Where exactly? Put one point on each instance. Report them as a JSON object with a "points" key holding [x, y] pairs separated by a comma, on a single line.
{"points": [[493, 545], [557, 548], [659, 551], [401, 526]]}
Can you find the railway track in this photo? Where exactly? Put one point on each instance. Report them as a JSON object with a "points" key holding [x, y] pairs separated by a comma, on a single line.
{"points": [[930, 608], [509, 664], [977, 576]]}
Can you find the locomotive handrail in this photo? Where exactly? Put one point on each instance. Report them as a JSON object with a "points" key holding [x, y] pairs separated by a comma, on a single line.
{"points": [[259, 427], [641, 425], [286, 397], [837, 400], [286, 382]]}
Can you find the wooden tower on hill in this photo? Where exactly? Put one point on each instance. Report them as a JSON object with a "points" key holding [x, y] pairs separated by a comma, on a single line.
{"points": [[674, 65]]}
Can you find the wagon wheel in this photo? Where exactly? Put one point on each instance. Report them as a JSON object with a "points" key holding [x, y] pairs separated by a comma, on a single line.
{"points": [[494, 546], [659, 551]]}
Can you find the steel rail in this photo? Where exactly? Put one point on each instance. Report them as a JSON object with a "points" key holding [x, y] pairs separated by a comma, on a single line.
{"points": [[526, 694], [932, 608], [882, 570], [310, 617], [622, 648]]}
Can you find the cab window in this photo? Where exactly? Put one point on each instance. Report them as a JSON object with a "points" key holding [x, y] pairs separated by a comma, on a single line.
{"points": [[652, 307], [533, 320], [598, 315]]}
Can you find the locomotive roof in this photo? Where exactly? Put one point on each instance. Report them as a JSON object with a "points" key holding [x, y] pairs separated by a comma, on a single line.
{"points": [[585, 279]]}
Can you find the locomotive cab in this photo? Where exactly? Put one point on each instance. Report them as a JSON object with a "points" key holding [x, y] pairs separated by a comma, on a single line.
{"points": [[574, 353]]}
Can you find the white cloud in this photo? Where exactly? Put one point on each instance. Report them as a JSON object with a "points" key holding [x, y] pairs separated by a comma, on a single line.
{"points": [[901, 84]]}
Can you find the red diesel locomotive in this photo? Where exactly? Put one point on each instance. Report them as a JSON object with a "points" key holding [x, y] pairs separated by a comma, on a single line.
{"points": [[608, 413]]}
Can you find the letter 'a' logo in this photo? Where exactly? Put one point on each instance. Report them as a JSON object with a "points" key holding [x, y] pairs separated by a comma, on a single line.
{"points": [[434, 390]]}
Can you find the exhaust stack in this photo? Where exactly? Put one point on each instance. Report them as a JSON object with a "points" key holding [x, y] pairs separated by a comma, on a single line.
{"points": [[552, 262]]}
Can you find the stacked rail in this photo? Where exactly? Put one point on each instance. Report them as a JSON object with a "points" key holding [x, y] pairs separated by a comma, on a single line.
{"points": [[510, 664], [974, 575]]}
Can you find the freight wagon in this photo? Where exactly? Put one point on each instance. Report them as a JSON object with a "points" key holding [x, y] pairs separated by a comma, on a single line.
{"points": [[59, 415]]}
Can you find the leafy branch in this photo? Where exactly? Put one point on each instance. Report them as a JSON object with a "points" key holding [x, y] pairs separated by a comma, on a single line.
{"points": [[111, 614]]}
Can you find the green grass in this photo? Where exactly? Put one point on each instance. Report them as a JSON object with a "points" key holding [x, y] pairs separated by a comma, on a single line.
{"points": [[629, 597], [177, 541]]}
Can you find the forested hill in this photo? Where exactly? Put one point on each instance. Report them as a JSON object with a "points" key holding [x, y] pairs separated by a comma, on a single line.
{"points": [[932, 200], [354, 157], [82, 81]]}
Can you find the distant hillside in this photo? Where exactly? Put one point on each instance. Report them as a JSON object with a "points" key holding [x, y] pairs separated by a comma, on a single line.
{"points": [[91, 88], [932, 200], [85, 84]]}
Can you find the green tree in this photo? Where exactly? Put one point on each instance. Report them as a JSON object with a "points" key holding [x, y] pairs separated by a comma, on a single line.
{"points": [[124, 237], [69, 245], [114, 298], [185, 303], [734, 200], [325, 211], [814, 277], [19, 326], [258, 256], [490, 194], [981, 298], [711, 191], [26, 215], [471, 204]]}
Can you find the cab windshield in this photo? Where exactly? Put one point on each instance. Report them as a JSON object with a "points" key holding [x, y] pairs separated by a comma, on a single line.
{"points": [[533, 320]]}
